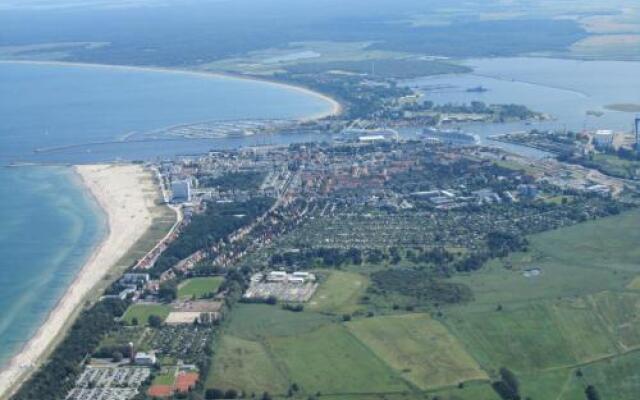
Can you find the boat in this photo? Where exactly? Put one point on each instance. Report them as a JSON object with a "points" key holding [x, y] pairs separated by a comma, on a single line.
{"points": [[450, 136]]}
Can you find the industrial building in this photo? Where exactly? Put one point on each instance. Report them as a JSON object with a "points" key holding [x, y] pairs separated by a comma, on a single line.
{"points": [[603, 138], [145, 359]]}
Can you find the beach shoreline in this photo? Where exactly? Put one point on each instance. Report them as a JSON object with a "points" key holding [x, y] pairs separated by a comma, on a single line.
{"points": [[124, 197], [336, 107]]}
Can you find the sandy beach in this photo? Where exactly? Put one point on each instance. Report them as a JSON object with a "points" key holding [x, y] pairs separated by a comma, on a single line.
{"points": [[127, 195]]}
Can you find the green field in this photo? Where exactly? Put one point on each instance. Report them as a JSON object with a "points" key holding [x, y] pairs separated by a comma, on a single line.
{"points": [[258, 321], [576, 261], [537, 337], [331, 360], [616, 378], [581, 313], [199, 287], [142, 312], [245, 365], [419, 348], [165, 377], [339, 294], [267, 348]]}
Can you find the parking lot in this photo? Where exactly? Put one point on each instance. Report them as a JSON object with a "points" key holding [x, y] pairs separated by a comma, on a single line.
{"points": [[101, 394], [282, 291], [109, 383]]}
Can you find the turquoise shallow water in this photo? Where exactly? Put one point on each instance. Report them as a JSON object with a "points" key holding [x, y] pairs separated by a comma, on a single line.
{"points": [[49, 224]]}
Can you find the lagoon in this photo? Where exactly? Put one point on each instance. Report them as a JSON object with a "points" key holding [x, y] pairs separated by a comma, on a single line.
{"points": [[567, 90]]}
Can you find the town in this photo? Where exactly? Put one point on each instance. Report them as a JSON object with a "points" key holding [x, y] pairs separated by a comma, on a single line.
{"points": [[266, 225]]}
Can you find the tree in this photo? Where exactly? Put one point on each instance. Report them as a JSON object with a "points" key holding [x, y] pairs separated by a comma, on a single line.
{"points": [[507, 387], [510, 379], [134, 321], [117, 356], [230, 394], [592, 393], [168, 291], [212, 394], [154, 321]]}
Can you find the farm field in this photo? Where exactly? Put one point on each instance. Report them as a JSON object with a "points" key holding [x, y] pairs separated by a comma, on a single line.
{"points": [[419, 348], [199, 287], [142, 312], [579, 314], [331, 360], [259, 321], [340, 293], [245, 365], [318, 355], [537, 337]]}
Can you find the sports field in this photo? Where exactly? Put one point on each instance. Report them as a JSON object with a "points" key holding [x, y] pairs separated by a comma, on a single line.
{"points": [[199, 287], [142, 312]]}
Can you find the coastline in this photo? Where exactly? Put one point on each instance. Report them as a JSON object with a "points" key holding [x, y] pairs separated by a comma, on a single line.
{"points": [[336, 106], [124, 197]]}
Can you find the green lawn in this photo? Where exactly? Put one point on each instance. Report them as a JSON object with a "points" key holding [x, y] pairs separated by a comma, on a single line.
{"points": [[199, 287], [339, 294], [142, 312], [331, 360], [166, 377], [419, 348], [124, 335]]}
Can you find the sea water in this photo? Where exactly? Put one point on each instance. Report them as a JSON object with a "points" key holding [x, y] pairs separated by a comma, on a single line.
{"points": [[49, 227], [49, 223]]}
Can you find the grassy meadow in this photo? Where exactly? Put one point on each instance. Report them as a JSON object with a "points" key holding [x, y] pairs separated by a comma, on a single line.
{"points": [[419, 348], [340, 293]]}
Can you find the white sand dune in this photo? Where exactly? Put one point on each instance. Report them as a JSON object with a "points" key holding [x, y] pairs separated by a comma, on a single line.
{"points": [[126, 194]]}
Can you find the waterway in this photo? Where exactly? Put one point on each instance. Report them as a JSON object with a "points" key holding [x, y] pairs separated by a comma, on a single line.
{"points": [[567, 90]]}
